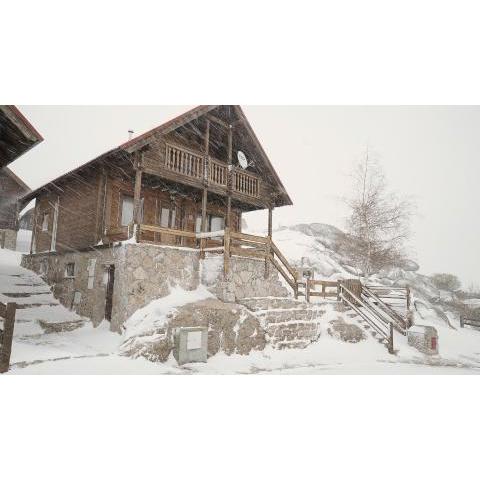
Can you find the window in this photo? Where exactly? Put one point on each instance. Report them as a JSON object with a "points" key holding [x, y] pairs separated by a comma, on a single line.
{"points": [[214, 223], [70, 270], [167, 216], [127, 210], [45, 222]]}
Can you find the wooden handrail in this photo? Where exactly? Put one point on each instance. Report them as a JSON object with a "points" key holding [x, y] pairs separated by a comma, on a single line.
{"points": [[248, 237], [284, 261], [167, 231]]}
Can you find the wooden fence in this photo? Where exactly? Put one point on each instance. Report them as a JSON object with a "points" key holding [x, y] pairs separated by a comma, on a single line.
{"points": [[311, 291], [7, 313]]}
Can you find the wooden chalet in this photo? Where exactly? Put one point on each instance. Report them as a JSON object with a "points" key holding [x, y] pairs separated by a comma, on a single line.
{"points": [[17, 135], [166, 186]]}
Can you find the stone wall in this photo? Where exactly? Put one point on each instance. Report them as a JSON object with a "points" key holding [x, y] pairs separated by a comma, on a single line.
{"points": [[151, 270], [143, 273], [8, 239], [51, 267], [246, 279]]}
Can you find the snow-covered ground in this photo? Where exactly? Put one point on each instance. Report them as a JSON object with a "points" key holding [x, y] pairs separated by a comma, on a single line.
{"points": [[89, 350]]}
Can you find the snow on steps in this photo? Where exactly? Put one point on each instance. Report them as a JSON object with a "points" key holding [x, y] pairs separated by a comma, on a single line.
{"points": [[36, 305], [289, 323]]}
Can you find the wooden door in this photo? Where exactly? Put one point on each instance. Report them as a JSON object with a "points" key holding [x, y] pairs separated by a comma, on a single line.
{"points": [[109, 292]]}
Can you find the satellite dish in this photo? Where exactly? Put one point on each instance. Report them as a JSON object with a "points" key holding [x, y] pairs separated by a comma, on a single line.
{"points": [[242, 159]]}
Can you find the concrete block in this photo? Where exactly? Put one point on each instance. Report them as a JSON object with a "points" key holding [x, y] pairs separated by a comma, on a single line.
{"points": [[190, 344]]}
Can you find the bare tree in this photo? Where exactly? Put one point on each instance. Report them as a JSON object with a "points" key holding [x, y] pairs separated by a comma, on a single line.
{"points": [[379, 220], [446, 281]]}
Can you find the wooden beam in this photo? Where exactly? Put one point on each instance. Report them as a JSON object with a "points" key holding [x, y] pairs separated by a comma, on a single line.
{"points": [[215, 119], [137, 196], [270, 220], [205, 189], [34, 227]]}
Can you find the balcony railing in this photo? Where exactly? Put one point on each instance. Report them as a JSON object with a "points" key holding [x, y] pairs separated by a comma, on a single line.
{"points": [[183, 161], [192, 164]]}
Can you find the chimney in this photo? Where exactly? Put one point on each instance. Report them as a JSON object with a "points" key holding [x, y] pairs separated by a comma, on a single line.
{"points": [[130, 134]]}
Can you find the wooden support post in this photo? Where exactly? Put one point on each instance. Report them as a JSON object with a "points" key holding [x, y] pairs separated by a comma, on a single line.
{"points": [[204, 221], [268, 255], [229, 178], [307, 290], [206, 175], [339, 290], [270, 220], [34, 229], [226, 253], [268, 247], [137, 193], [408, 298], [6, 346]]}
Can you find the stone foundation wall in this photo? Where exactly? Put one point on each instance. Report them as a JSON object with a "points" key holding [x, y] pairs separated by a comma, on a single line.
{"points": [[143, 273], [150, 271], [8, 239], [246, 279]]}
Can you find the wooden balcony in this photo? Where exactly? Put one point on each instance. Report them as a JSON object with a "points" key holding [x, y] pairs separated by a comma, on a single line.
{"points": [[195, 165]]}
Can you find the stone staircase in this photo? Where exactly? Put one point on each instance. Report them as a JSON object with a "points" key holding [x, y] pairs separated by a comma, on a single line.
{"points": [[37, 309], [288, 323]]}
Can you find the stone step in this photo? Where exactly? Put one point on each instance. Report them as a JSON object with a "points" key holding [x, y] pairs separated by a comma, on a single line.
{"points": [[25, 294], [255, 304]]}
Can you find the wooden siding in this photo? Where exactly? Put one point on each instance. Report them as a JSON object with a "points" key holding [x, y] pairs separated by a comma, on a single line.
{"points": [[10, 192], [77, 215]]}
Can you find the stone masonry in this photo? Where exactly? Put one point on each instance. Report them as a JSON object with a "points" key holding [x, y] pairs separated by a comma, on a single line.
{"points": [[288, 323], [143, 273]]}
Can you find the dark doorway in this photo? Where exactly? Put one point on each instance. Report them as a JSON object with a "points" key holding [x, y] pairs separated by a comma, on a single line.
{"points": [[110, 272]]}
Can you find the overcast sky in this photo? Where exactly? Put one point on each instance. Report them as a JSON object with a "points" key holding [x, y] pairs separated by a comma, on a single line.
{"points": [[428, 153]]}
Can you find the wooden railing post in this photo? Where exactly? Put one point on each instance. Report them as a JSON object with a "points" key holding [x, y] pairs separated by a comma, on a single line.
{"points": [[6, 346], [408, 298], [226, 253], [390, 339], [268, 253], [307, 290]]}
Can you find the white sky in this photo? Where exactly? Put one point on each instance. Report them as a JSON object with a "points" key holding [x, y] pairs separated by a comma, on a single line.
{"points": [[429, 153]]}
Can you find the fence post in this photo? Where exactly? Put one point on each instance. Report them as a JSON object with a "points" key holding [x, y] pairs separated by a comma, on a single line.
{"points": [[6, 347], [339, 290], [226, 252], [390, 340], [408, 298], [307, 290]]}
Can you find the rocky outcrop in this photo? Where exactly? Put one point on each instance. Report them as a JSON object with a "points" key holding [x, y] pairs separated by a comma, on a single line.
{"points": [[231, 329], [346, 332]]}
